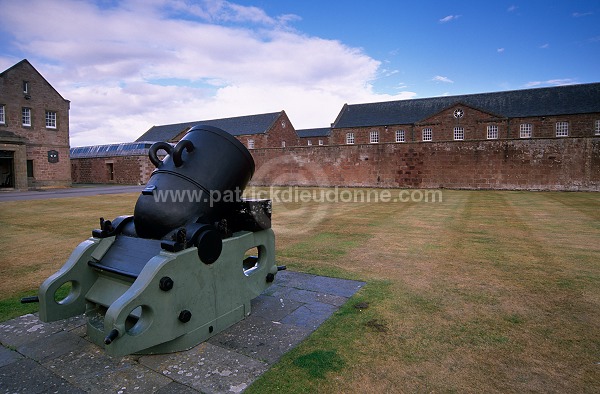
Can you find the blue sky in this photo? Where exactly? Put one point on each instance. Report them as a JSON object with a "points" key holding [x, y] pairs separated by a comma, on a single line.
{"points": [[127, 65]]}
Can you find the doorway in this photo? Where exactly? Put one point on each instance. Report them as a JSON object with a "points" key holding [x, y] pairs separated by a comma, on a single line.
{"points": [[7, 169], [111, 171]]}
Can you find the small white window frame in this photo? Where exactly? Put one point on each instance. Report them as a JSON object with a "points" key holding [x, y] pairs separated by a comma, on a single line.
{"points": [[349, 138], [525, 130], [400, 136], [459, 133], [374, 137], [26, 116], [51, 119], [562, 129], [2, 114], [597, 127], [250, 144], [427, 134], [492, 132]]}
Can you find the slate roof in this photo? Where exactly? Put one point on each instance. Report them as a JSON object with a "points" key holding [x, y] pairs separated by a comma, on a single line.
{"points": [[110, 150], [317, 132], [240, 125], [561, 100]]}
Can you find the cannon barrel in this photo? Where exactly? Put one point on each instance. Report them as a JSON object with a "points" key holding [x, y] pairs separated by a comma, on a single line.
{"points": [[190, 183]]}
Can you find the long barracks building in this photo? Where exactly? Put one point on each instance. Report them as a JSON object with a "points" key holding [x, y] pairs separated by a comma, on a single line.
{"points": [[543, 139]]}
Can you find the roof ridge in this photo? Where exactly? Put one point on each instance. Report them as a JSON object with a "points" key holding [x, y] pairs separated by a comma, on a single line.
{"points": [[498, 92]]}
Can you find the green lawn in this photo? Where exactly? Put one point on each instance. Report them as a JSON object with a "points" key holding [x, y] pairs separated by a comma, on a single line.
{"points": [[484, 291]]}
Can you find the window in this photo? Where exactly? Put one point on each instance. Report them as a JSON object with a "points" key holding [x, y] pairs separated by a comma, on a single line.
{"points": [[492, 132], [283, 144], [562, 129], [459, 133], [3, 115], [250, 144], [30, 168], [320, 142], [51, 119], [427, 134], [597, 128], [525, 130], [400, 136], [26, 116], [349, 138], [25, 87], [309, 143], [374, 137]]}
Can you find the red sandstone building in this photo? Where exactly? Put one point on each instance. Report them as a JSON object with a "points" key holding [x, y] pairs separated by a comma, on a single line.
{"points": [[557, 112], [128, 163], [34, 131], [314, 137], [541, 139]]}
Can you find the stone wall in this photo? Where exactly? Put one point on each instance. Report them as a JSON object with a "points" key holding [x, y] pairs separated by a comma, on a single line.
{"points": [[533, 164], [536, 164], [127, 170]]}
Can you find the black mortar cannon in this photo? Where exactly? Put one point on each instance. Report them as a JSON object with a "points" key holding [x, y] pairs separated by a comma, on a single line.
{"points": [[178, 271]]}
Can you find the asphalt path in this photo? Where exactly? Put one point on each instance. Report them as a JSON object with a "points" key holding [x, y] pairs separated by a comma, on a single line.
{"points": [[76, 191]]}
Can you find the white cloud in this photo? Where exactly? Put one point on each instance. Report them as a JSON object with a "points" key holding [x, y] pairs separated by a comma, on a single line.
{"points": [[581, 14], [439, 78], [551, 82], [545, 46], [500, 50], [512, 8], [142, 63], [449, 18]]}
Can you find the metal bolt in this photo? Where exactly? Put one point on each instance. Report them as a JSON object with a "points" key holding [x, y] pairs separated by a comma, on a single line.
{"points": [[185, 316], [165, 283], [270, 277]]}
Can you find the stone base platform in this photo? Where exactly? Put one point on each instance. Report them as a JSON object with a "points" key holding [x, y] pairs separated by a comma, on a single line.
{"points": [[39, 357]]}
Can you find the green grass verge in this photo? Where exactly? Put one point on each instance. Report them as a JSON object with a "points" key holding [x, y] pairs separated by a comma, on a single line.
{"points": [[333, 348], [13, 307]]}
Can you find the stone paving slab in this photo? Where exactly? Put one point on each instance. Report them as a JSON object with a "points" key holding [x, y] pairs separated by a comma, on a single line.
{"points": [[37, 357]]}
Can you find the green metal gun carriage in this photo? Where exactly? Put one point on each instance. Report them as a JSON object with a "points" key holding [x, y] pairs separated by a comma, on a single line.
{"points": [[177, 271]]}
